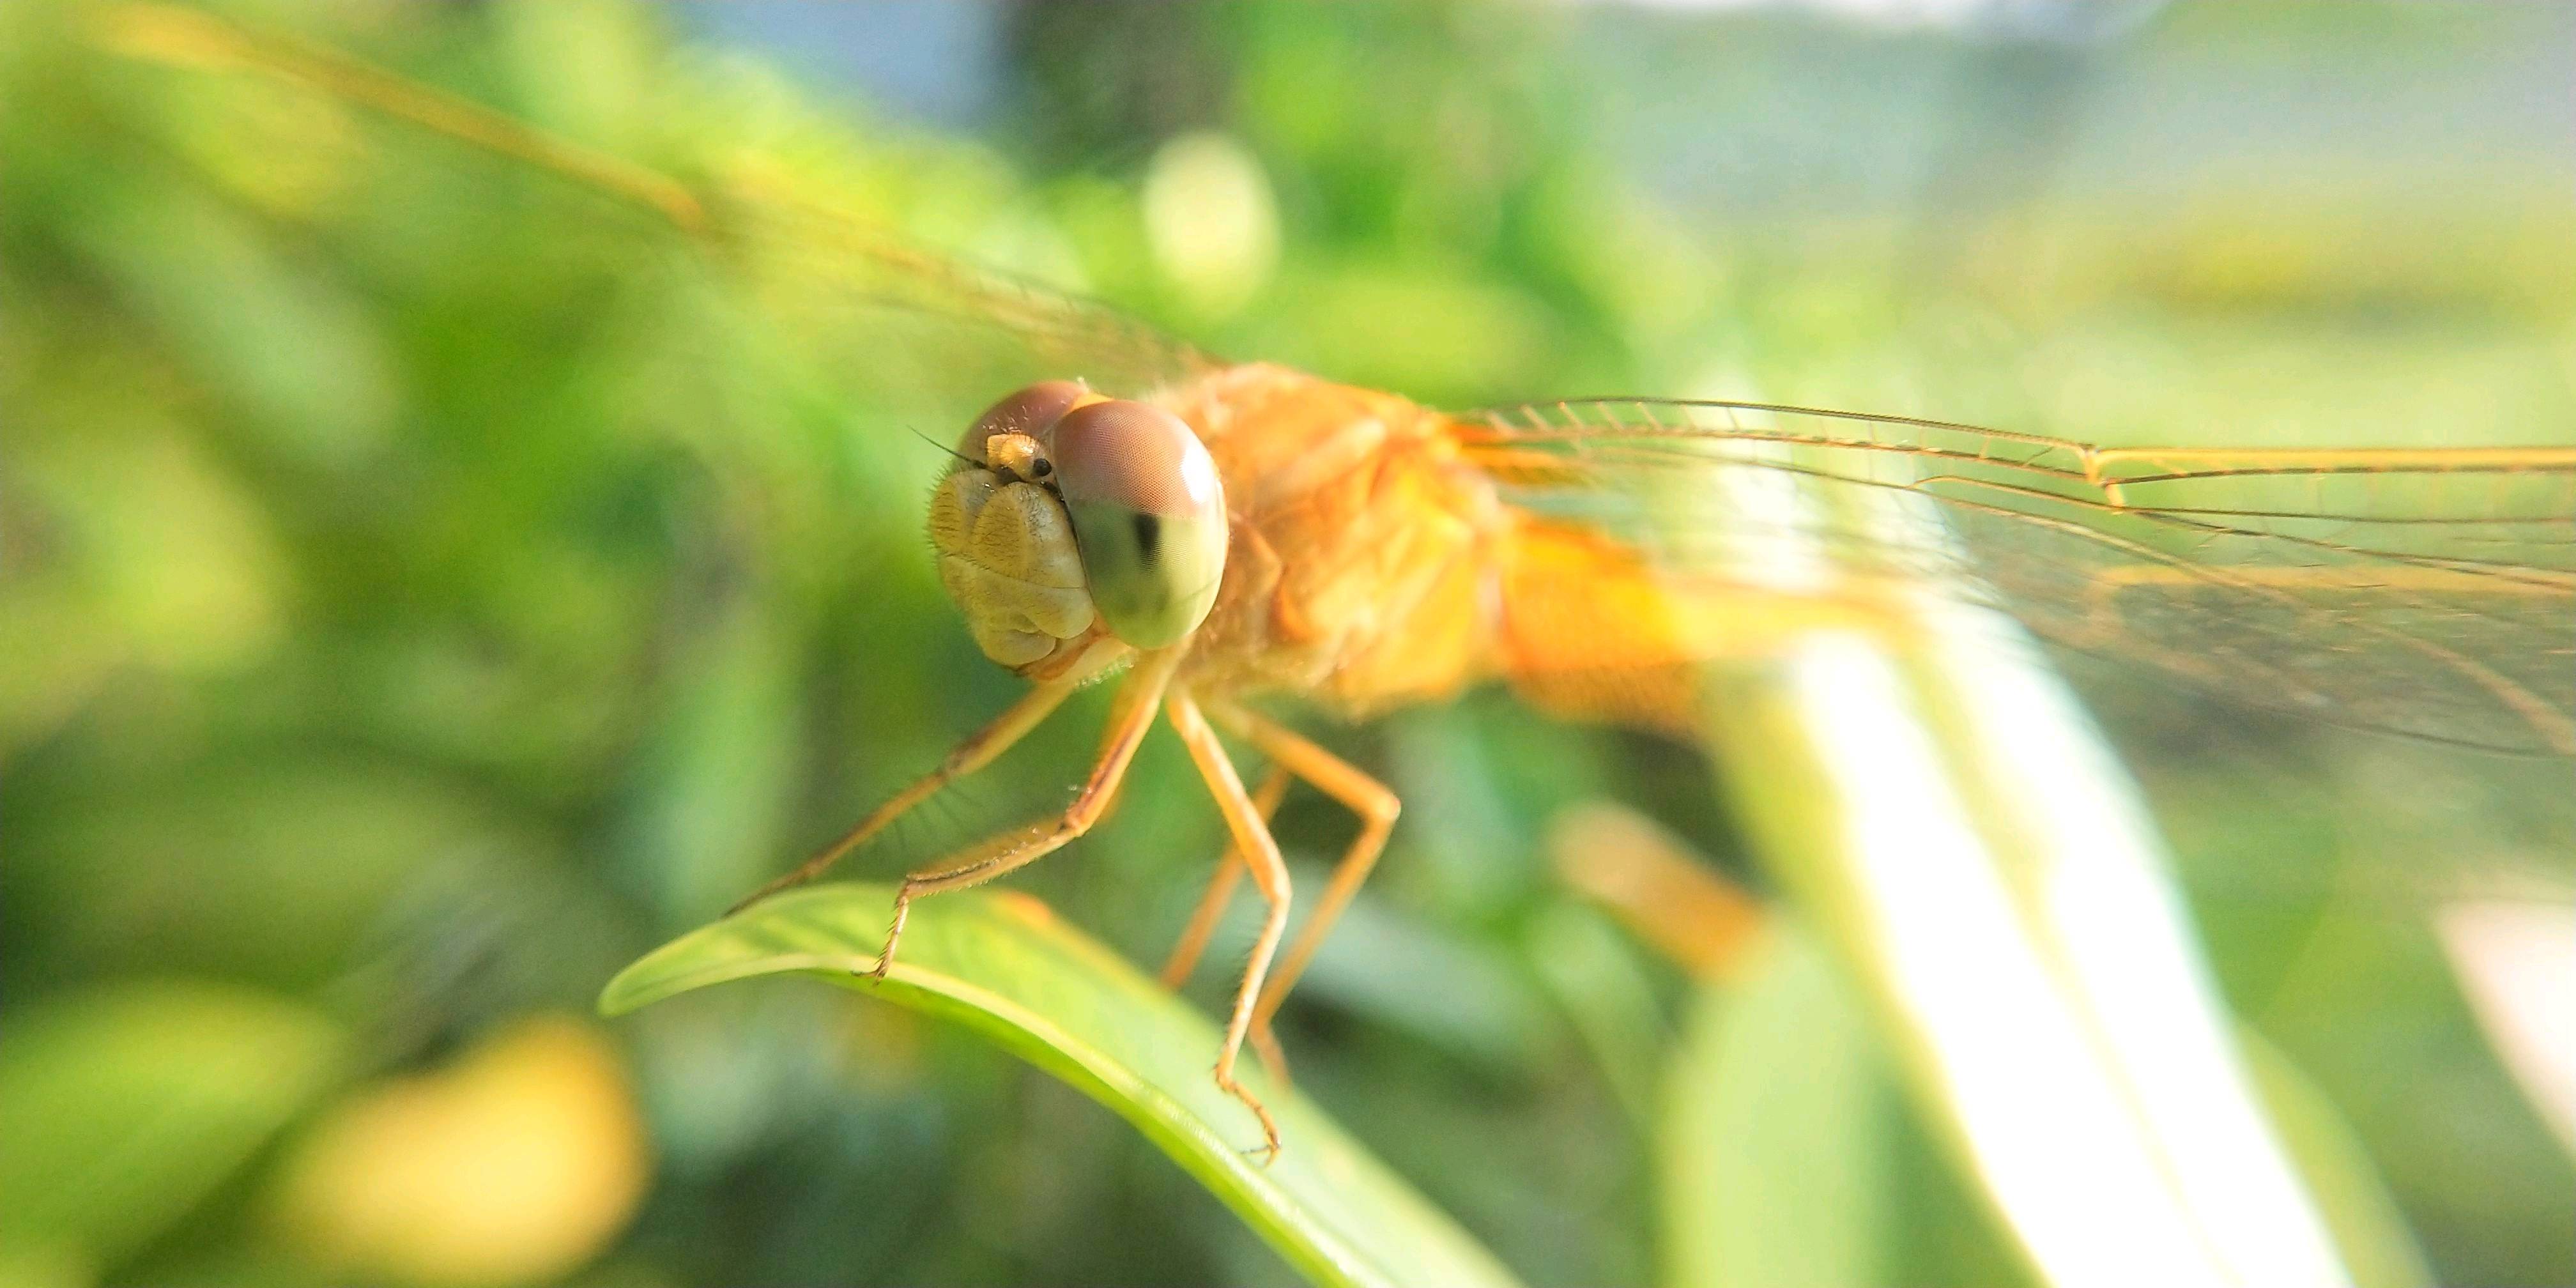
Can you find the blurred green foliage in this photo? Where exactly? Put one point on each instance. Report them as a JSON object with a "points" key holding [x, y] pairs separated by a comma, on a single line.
{"points": [[421, 590]]}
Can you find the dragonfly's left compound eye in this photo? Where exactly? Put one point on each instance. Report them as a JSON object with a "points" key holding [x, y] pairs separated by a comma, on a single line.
{"points": [[1149, 515], [1031, 411]]}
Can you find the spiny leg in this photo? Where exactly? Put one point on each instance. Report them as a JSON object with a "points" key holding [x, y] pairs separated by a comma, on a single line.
{"points": [[1269, 876], [1221, 884], [1377, 808], [978, 750], [1129, 718]]}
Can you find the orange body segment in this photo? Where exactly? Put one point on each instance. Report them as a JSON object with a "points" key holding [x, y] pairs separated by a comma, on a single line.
{"points": [[1375, 565]]}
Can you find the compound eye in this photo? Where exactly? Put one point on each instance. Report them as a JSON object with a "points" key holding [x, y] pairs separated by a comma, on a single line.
{"points": [[1031, 411], [1148, 515]]}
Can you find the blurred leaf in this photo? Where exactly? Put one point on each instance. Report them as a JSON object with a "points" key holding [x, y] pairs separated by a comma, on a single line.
{"points": [[49, 1267], [163, 548], [2516, 960], [2319, 882], [1454, 992], [2358, 1208], [1981, 860], [1787, 1155], [123, 1107], [1602, 986], [1002, 965], [225, 846], [713, 769], [1790, 1155], [1776, 1116]]}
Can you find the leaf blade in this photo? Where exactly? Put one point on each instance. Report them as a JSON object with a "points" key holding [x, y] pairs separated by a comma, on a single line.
{"points": [[1002, 965], [125, 1105], [2032, 967]]}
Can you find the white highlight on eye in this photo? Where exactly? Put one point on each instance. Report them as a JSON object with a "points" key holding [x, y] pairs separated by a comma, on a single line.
{"points": [[1199, 478]]}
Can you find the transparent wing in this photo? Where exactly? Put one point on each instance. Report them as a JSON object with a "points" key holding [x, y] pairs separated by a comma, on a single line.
{"points": [[825, 262], [2429, 590], [2426, 590], [778, 233]]}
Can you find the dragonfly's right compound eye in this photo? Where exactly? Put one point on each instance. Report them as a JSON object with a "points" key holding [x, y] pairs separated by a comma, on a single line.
{"points": [[1149, 510]]}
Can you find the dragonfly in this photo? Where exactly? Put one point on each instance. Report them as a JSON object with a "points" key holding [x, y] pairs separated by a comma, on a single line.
{"points": [[1221, 537]]}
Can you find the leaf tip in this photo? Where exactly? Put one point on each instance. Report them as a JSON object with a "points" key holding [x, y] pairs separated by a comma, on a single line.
{"points": [[617, 997]]}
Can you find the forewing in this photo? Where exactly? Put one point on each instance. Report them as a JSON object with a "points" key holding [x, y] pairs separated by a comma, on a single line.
{"points": [[2426, 590], [2430, 591], [761, 224]]}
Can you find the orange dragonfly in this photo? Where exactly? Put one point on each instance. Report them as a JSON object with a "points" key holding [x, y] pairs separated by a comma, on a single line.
{"points": [[1222, 533]]}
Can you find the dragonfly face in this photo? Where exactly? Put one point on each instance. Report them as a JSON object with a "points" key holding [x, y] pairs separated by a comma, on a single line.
{"points": [[1068, 515]]}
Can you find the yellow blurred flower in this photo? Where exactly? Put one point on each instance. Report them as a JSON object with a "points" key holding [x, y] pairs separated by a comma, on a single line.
{"points": [[518, 1163]]}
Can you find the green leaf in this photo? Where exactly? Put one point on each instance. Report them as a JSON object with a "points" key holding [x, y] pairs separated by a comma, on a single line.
{"points": [[1775, 1163], [1951, 821], [1785, 1161], [122, 1107], [1002, 965], [2364, 1216], [1789, 1155]]}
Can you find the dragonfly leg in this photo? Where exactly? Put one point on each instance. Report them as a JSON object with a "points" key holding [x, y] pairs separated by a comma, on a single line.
{"points": [[978, 750], [1132, 715], [1671, 897], [1228, 875], [1269, 876], [1377, 807]]}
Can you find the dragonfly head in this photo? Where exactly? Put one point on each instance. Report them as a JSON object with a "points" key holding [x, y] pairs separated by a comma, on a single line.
{"points": [[1069, 516]]}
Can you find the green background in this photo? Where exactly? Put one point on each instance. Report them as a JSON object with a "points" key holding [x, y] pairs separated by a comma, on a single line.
{"points": [[418, 598]]}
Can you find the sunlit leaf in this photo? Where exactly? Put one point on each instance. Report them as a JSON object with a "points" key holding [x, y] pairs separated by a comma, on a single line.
{"points": [[2357, 1206], [1001, 965], [1984, 865], [1790, 1158], [2517, 963]]}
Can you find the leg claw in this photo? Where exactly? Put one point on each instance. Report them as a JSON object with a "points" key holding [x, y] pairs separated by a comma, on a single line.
{"points": [[1269, 1147]]}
